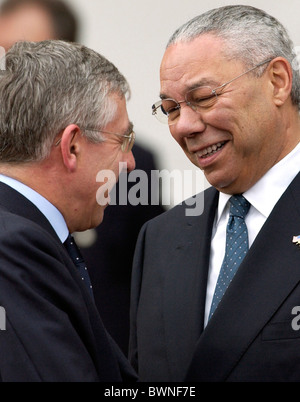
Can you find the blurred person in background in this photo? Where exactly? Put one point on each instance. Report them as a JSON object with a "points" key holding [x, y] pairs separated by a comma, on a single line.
{"points": [[109, 248], [36, 20]]}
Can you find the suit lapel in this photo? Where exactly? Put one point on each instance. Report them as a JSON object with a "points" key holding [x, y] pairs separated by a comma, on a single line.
{"points": [[267, 275], [185, 282]]}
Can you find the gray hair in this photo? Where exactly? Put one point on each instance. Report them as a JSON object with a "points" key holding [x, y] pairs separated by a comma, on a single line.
{"points": [[46, 87], [251, 35]]}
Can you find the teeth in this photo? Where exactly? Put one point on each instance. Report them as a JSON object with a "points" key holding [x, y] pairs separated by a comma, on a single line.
{"points": [[210, 150]]}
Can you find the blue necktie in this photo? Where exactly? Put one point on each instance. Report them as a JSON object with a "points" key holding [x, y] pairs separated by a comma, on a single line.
{"points": [[78, 260], [236, 247]]}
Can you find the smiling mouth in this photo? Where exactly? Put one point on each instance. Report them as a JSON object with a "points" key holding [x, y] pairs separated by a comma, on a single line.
{"points": [[209, 151]]}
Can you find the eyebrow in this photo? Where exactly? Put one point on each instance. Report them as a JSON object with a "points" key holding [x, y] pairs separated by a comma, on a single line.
{"points": [[202, 83], [129, 128]]}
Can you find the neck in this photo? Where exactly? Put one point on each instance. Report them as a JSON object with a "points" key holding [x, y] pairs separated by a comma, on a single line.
{"points": [[39, 176]]}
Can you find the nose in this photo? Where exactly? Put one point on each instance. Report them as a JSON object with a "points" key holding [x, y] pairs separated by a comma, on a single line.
{"points": [[189, 122], [129, 159]]}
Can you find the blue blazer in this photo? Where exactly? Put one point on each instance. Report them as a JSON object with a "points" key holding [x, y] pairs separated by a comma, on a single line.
{"points": [[53, 328], [250, 337]]}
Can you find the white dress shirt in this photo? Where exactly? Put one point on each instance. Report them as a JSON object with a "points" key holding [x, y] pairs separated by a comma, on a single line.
{"points": [[49, 210], [262, 196]]}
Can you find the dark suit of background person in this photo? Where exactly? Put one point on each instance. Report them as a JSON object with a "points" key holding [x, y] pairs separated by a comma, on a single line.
{"points": [[109, 252], [53, 329], [110, 271], [250, 336]]}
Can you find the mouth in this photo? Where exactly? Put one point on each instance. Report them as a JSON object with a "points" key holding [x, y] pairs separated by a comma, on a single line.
{"points": [[211, 150]]}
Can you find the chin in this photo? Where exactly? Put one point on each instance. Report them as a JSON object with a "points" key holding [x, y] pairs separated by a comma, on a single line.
{"points": [[224, 186], [216, 181], [98, 219], [233, 188], [91, 224]]}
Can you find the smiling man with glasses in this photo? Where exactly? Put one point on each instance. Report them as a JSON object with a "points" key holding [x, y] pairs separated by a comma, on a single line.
{"points": [[212, 295]]}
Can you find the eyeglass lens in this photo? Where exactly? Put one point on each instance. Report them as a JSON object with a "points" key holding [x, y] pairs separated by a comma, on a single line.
{"points": [[128, 142], [168, 110]]}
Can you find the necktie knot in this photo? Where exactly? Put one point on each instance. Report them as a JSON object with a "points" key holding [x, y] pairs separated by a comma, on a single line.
{"points": [[239, 206]]}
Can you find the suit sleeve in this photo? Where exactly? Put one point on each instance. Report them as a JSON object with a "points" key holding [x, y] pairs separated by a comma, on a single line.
{"points": [[46, 319]]}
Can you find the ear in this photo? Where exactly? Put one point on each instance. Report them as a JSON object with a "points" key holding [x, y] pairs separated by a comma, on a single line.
{"points": [[281, 76], [70, 147]]}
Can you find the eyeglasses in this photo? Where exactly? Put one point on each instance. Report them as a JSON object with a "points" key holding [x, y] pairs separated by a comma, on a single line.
{"points": [[126, 143], [168, 110], [127, 140]]}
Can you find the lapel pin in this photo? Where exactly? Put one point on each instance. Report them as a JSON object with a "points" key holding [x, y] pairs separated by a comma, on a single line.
{"points": [[296, 240]]}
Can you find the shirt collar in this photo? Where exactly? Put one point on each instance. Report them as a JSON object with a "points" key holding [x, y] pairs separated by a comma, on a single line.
{"points": [[265, 194], [273, 183], [49, 210]]}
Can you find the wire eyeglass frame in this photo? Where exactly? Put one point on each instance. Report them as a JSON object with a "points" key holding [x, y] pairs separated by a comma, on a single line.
{"points": [[171, 114]]}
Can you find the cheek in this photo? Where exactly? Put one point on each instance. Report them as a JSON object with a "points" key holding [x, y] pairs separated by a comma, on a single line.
{"points": [[237, 123], [112, 159], [225, 116], [106, 180], [179, 138]]}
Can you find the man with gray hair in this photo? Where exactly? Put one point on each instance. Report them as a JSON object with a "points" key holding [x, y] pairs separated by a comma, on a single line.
{"points": [[214, 296], [63, 119]]}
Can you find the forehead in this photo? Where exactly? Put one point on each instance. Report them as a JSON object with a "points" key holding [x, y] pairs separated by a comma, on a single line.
{"points": [[199, 62]]}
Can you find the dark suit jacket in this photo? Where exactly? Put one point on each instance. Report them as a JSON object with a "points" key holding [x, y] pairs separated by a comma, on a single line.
{"points": [[53, 329], [250, 336]]}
